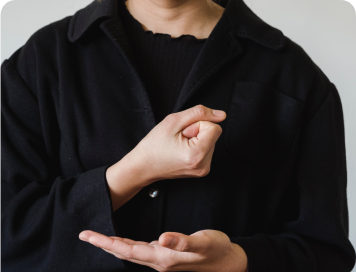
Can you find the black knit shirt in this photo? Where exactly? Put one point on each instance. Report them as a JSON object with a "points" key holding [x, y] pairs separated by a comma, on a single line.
{"points": [[163, 62]]}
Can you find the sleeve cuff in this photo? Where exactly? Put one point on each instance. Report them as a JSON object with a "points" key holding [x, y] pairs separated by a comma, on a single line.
{"points": [[91, 198]]}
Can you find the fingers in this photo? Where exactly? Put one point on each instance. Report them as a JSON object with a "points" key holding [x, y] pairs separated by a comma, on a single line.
{"points": [[129, 241], [105, 242], [207, 136], [133, 251], [154, 266], [197, 113], [150, 254], [84, 235], [184, 243], [192, 130]]}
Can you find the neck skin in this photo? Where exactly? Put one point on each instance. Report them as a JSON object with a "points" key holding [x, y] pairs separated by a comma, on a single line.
{"points": [[176, 17]]}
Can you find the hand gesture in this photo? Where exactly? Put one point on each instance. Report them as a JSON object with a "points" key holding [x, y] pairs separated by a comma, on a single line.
{"points": [[206, 250]]}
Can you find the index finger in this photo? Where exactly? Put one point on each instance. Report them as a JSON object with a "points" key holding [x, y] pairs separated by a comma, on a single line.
{"points": [[140, 252], [197, 113]]}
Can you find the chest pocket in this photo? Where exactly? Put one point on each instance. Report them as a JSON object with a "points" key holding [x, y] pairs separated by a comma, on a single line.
{"points": [[261, 124]]}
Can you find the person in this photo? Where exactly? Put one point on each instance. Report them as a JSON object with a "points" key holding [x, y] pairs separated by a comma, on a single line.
{"points": [[171, 136]]}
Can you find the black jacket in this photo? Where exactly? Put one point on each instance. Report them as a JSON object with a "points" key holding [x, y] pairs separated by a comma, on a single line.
{"points": [[73, 104]]}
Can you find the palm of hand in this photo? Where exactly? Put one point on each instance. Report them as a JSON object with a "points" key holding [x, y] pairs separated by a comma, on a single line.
{"points": [[205, 250]]}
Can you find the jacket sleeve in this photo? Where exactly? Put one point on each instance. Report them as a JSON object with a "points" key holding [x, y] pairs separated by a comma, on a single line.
{"points": [[318, 239], [42, 211]]}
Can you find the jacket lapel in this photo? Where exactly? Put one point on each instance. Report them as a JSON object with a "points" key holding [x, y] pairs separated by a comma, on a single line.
{"points": [[112, 26], [222, 46], [115, 31]]}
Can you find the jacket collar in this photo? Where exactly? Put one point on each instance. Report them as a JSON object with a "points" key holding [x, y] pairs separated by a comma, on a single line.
{"points": [[246, 23]]}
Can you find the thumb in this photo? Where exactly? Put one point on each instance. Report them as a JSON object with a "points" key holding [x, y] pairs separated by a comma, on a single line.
{"points": [[195, 114], [181, 242]]}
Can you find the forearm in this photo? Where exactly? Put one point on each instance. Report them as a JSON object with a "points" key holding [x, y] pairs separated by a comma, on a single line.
{"points": [[125, 179]]}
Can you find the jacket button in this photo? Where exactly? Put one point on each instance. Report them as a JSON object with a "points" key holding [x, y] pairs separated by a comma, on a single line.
{"points": [[153, 193]]}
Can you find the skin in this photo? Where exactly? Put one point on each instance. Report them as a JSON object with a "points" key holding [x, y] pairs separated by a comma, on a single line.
{"points": [[180, 146], [177, 17]]}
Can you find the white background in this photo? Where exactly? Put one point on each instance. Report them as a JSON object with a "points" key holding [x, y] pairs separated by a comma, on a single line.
{"points": [[326, 29]]}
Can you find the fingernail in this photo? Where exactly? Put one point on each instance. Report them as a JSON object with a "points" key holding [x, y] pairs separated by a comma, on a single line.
{"points": [[169, 241], [219, 113]]}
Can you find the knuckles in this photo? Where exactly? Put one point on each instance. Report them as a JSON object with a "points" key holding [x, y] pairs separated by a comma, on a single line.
{"points": [[199, 111], [183, 246], [129, 255], [171, 118], [194, 160]]}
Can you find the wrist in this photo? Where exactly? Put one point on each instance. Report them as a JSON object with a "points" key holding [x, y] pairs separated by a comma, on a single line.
{"points": [[125, 179], [128, 171]]}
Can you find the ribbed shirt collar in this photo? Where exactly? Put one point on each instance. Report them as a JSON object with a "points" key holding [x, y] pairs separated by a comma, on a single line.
{"points": [[245, 22]]}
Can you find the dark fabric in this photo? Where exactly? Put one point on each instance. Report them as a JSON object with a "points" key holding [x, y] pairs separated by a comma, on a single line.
{"points": [[162, 62], [73, 104]]}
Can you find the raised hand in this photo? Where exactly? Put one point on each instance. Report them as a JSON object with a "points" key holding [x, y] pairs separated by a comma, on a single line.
{"points": [[182, 145]]}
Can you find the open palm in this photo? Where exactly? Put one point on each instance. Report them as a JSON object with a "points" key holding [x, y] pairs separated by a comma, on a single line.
{"points": [[205, 250]]}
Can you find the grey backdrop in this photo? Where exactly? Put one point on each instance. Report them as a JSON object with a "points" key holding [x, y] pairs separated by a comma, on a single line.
{"points": [[326, 29]]}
